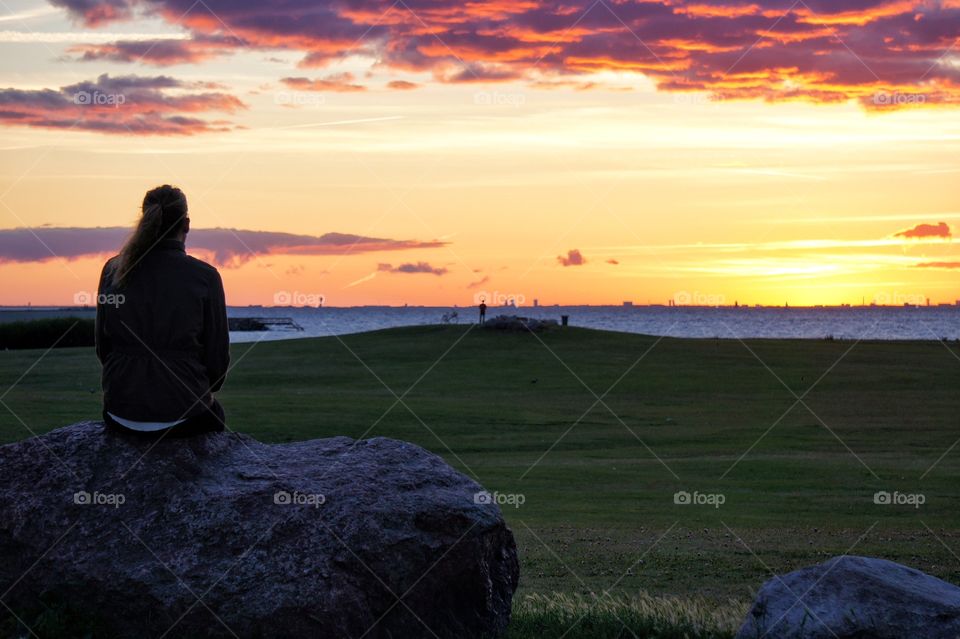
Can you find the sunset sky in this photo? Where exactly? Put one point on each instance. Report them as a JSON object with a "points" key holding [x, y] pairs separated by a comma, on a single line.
{"points": [[423, 152]]}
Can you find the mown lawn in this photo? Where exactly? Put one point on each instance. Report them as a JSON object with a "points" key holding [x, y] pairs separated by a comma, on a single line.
{"points": [[597, 431]]}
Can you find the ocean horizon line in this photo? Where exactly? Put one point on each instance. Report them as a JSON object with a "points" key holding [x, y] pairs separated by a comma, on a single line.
{"points": [[87, 308]]}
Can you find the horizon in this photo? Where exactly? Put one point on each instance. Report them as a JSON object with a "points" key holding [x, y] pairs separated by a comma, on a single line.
{"points": [[623, 305], [801, 154]]}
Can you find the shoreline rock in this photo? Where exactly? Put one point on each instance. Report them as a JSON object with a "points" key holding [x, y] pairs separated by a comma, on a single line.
{"points": [[850, 597], [221, 534], [514, 323]]}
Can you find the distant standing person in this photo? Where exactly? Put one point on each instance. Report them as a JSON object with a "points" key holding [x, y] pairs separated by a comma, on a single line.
{"points": [[483, 311], [161, 330]]}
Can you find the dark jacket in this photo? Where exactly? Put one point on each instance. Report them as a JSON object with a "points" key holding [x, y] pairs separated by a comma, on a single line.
{"points": [[162, 338]]}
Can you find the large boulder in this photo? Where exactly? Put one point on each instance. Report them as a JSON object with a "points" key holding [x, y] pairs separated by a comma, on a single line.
{"points": [[855, 598], [222, 535]]}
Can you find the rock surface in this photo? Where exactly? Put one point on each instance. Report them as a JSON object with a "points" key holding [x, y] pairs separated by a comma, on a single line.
{"points": [[519, 324], [854, 598], [222, 535]]}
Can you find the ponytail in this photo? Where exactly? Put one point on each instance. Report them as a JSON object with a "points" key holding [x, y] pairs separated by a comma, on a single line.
{"points": [[164, 211]]}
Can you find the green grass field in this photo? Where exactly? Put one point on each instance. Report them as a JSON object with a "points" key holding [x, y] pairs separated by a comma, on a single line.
{"points": [[597, 431]]}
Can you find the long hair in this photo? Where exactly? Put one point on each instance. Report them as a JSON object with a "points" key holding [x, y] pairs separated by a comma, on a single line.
{"points": [[164, 213]]}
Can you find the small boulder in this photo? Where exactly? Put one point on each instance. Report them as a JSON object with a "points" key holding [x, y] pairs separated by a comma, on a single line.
{"points": [[852, 597], [514, 323], [222, 535]]}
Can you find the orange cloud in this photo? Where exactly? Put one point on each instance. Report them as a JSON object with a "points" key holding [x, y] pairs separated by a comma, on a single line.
{"points": [[858, 17], [402, 85], [338, 82], [922, 231], [718, 11]]}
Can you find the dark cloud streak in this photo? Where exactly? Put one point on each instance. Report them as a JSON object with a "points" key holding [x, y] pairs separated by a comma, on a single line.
{"points": [[573, 258], [412, 269], [225, 247]]}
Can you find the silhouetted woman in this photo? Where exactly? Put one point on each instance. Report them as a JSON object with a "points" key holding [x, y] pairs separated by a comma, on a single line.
{"points": [[162, 334]]}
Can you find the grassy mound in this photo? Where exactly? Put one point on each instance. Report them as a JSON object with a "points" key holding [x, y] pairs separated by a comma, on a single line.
{"points": [[599, 432]]}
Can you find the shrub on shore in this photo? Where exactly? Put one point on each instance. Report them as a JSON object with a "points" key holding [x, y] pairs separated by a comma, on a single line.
{"points": [[45, 333]]}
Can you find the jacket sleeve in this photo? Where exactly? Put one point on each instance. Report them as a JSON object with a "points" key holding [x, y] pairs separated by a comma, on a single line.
{"points": [[101, 341], [216, 335]]}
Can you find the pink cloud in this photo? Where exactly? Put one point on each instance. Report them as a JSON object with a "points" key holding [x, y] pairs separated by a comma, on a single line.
{"points": [[160, 52], [124, 105]]}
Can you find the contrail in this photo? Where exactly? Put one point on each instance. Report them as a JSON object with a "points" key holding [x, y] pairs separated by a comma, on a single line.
{"points": [[335, 123], [31, 13], [71, 37], [362, 280]]}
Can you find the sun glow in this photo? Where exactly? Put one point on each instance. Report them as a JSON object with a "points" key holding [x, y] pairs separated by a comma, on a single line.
{"points": [[656, 183]]}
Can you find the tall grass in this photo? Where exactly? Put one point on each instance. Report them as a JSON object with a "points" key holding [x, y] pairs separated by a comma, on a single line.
{"points": [[620, 616]]}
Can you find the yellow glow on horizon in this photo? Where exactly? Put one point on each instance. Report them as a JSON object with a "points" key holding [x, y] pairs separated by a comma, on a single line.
{"points": [[760, 203]]}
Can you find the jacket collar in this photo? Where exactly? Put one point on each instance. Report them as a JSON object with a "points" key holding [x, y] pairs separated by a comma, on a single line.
{"points": [[171, 245]]}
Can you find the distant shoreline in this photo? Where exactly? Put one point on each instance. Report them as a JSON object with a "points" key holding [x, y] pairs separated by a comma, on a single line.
{"points": [[870, 323], [517, 309]]}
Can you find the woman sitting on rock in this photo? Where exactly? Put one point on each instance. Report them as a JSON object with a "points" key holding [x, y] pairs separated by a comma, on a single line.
{"points": [[161, 334]]}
